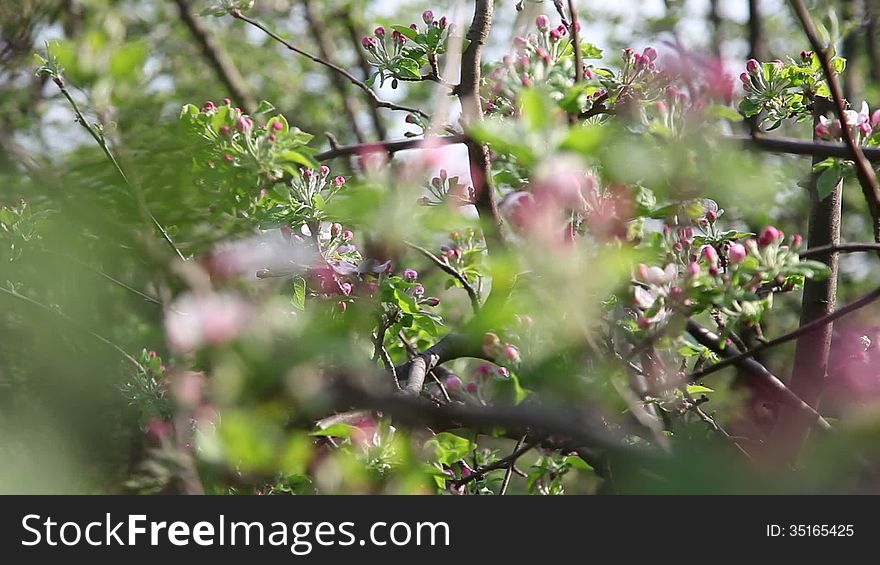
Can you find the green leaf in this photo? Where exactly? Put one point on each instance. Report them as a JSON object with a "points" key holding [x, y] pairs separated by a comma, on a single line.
{"points": [[698, 389], [449, 448], [828, 180], [538, 109], [409, 68], [127, 62], [299, 293], [726, 112], [336, 430], [407, 31], [838, 64]]}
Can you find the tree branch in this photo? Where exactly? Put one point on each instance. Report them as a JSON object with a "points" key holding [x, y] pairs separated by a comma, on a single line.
{"points": [[864, 171], [744, 360], [218, 58], [453, 272], [374, 98], [326, 48], [503, 463], [389, 146]]}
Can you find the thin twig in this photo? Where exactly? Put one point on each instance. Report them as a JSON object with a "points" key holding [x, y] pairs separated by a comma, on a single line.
{"points": [[507, 474], [839, 248], [803, 147], [102, 143], [351, 78], [452, 271], [326, 49], [503, 463], [865, 173], [76, 324], [792, 335]]}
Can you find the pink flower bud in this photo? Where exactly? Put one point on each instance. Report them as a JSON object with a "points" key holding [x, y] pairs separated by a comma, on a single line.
{"points": [[428, 16], [503, 372], [745, 80], [346, 288], [418, 290], [643, 323], [370, 43], [410, 274], [277, 125], [244, 124], [339, 181], [379, 31], [806, 55], [752, 66], [711, 216], [875, 119], [225, 131], [737, 253], [710, 254], [676, 293], [485, 370], [770, 235], [555, 35], [209, 106], [472, 388], [229, 157], [442, 22], [325, 170], [453, 382], [431, 301], [650, 53], [347, 235], [694, 269], [797, 240], [227, 102], [411, 119], [562, 29], [542, 22], [511, 353]]}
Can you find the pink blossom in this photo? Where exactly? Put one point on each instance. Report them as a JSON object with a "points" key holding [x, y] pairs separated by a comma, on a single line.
{"points": [[339, 181], [410, 274], [195, 320], [453, 382], [737, 253], [650, 53], [511, 353], [244, 124], [770, 235], [542, 22]]}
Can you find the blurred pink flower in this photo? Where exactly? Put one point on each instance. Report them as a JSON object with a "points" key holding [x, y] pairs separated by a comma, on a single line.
{"points": [[196, 320]]}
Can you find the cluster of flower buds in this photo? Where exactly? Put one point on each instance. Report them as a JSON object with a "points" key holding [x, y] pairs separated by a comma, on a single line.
{"points": [[639, 65], [444, 188], [861, 124], [503, 353], [311, 183], [757, 77]]}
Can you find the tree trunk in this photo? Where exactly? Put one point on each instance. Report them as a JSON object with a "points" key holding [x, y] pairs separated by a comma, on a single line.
{"points": [[813, 349]]}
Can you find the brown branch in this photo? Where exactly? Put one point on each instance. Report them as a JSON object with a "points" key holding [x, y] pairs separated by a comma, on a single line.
{"points": [[575, 38], [374, 98], [218, 58], [389, 147], [453, 272], [326, 49], [757, 45], [478, 154], [415, 410], [802, 147], [744, 360], [503, 463], [864, 171], [839, 248]]}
